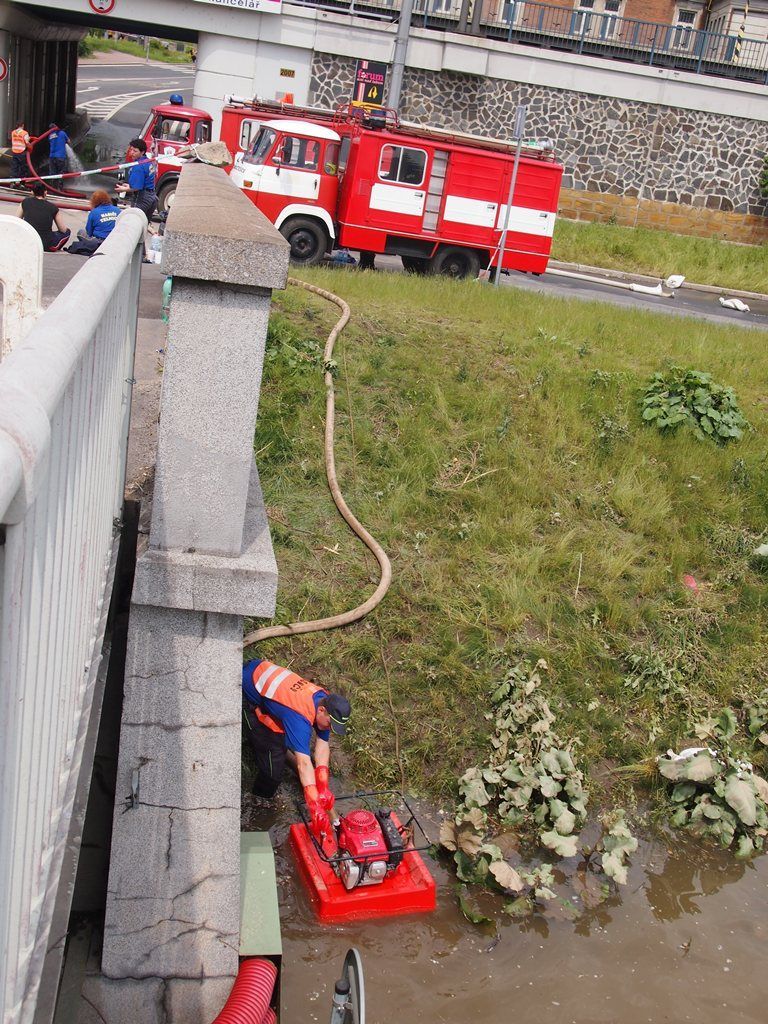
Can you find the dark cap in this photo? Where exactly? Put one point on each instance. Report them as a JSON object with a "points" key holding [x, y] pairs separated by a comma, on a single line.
{"points": [[339, 710]]}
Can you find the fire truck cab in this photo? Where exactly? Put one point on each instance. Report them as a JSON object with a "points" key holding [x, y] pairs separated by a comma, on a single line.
{"points": [[291, 172], [169, 128]]}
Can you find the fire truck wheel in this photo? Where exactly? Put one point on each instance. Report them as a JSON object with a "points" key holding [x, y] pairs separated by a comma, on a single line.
{"points": [[165, 196], [307, 240], [415, 265], [455, 261]]}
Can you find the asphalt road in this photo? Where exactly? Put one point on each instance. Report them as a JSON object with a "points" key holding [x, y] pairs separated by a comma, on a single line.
{"points": [[123, 93]]}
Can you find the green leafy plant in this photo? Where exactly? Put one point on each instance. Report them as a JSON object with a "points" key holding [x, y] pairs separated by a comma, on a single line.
{"points": [[650, 674], [716, 794], [690, 398]]}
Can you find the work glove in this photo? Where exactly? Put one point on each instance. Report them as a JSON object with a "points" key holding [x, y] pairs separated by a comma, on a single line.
{"points": [[319, 821], [324, 794]]}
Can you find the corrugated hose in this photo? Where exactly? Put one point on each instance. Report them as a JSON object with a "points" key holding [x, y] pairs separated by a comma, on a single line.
{"points": [[354, 614]]}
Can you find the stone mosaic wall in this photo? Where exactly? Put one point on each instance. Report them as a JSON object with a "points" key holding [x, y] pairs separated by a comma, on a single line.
{"points": [[610, 148]]}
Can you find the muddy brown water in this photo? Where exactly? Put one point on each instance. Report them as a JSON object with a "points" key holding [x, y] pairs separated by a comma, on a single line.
{"points": [[685, 940]]}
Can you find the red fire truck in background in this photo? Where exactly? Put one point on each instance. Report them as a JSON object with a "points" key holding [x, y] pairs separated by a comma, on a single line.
{"points": [[361, 180]]}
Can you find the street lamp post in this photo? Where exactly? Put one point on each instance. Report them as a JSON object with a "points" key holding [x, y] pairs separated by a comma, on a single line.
{"points": [[400, 51], [517, 133]]}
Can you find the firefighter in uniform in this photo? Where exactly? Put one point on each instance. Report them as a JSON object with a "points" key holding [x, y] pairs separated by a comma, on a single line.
{"points": [[282, 710], [20, 143]]}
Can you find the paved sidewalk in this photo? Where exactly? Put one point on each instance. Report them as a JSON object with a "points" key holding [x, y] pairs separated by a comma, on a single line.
{"points": [[111, 57]]}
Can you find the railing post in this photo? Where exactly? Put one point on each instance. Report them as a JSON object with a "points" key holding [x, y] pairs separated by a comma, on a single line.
{"points": [[172, 918], [21, 277], [653, 45], [512, 17]]}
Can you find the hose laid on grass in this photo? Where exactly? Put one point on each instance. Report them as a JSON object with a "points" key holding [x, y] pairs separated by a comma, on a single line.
{"points": [[345, 618]]}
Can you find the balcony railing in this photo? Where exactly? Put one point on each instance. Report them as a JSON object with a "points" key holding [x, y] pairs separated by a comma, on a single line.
{"points": [[582, 32]]}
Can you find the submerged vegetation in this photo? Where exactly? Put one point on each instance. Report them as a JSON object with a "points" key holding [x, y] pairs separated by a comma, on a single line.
{"points": [[494, 442]]}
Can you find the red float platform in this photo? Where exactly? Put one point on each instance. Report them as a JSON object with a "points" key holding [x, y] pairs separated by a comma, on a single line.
{"points": [[410, 889]]}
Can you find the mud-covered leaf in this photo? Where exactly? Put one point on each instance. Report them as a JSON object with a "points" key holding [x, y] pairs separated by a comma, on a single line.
{"points": [[472, 789], [468, 842], [679, 817], [741, 797], [563, 846], [761, 787], [448, 835], [745, 847], [763, 738], [492, 851], [549, 787], [521, 907], [492, 776], [614, 867], [468, 908], [565, 823], [683, 791], [550, 763], [726, 724], [506, 876], [474, 817]]}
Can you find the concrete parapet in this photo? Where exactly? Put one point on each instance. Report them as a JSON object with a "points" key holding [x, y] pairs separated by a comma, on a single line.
{"points": [[172, 923]]}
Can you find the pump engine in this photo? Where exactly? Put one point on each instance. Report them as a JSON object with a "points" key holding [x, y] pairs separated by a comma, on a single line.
{"points": [[370, 845]]}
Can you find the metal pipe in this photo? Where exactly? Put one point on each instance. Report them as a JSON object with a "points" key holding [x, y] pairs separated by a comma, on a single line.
{"points": [[399, 55]]}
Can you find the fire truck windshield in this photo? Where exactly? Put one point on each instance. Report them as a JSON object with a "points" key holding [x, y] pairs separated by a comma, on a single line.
{"points": [[261, 146]]}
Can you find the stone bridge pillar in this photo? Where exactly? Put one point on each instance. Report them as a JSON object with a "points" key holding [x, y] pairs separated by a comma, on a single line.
{"points": [[172, 923]]}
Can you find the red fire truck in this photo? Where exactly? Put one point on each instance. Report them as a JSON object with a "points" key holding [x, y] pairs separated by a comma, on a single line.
{"points": [[361, 180]]}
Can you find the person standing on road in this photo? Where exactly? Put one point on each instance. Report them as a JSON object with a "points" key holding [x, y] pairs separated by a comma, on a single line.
{"points": [[21, 140], [42, 215], [282, 712], [57, 150], [140, 187]]}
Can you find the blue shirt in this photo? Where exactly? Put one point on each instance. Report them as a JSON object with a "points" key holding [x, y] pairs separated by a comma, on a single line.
{"points": [[298, 729], [141, 178], [57, 144], [101, 220]]}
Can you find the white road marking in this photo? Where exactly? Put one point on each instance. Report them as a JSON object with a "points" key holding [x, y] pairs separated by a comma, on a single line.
{"points": [[105, 107]]}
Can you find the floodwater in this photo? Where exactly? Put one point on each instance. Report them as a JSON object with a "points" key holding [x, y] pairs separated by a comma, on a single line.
{"points": [[685, 940]]}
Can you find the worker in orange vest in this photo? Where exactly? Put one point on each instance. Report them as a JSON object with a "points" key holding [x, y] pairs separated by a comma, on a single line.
{"points": [[282, 712], [21, 140]]}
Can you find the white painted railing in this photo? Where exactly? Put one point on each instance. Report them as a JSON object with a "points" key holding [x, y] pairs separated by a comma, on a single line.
{"points": [[21, 278], [65, 394]]}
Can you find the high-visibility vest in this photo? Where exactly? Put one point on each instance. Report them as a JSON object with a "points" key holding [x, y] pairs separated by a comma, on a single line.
{"points": [[19, 140], [286, 688]]}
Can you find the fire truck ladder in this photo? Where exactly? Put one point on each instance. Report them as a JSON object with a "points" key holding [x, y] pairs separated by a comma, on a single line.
{"points": [[436, 188]]}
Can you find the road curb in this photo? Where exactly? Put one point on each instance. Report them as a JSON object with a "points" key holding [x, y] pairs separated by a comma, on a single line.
{"points": [[620, 275]]}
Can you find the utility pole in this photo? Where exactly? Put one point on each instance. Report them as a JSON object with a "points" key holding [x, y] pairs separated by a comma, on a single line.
{"points": [[398, 58], [517, 134]]}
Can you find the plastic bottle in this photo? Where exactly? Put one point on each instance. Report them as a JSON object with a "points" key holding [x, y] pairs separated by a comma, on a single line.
{"points": [[167, 287], [156, 249]]}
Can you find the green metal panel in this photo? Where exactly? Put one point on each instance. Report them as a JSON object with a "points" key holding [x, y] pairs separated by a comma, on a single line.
{"points": [[259, 915]]}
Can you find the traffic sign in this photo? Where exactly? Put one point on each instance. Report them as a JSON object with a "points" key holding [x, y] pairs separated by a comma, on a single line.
{"points": [[3, 69], [102, 6], [370, 78]]}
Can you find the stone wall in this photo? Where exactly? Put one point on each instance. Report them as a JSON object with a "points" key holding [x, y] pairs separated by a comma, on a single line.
{"points": [[690, 171]]}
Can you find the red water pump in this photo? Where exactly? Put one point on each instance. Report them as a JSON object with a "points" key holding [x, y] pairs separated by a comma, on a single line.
{"points": [[370, 845], [370, 867]]}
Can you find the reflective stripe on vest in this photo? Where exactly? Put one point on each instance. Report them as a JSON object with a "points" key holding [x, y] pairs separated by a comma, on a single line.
{"points": [[19, 139], [284, 687]]}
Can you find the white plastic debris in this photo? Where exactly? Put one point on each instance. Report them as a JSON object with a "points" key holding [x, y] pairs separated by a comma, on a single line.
{"points": [[674, 281], [646, 289], [737, 304]]}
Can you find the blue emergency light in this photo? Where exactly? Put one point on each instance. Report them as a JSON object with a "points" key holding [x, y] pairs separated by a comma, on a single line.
{"points": [[176, 99]]}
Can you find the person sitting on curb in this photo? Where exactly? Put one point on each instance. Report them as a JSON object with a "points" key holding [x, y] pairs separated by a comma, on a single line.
{"points": [[42, 215], [282, 711], [140, 187], [101, 221]]}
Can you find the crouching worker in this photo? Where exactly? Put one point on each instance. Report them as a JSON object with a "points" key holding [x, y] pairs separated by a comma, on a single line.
{"points": [[282, 711], [100, 222]]}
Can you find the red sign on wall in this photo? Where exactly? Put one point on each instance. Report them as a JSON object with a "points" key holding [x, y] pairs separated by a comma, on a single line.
{"points": [[102, 6], [3, 70]]}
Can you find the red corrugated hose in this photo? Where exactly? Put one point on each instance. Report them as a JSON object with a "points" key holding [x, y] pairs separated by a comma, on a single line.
{"points": [[251, 994]]}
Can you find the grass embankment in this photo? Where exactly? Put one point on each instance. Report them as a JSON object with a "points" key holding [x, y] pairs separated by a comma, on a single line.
{"points": [[492, 441], [661, 253], [157, 51]]}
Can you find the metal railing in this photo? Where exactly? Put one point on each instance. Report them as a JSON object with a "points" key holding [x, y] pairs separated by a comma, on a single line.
{"points": [[65, 396], [581, 31]]}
